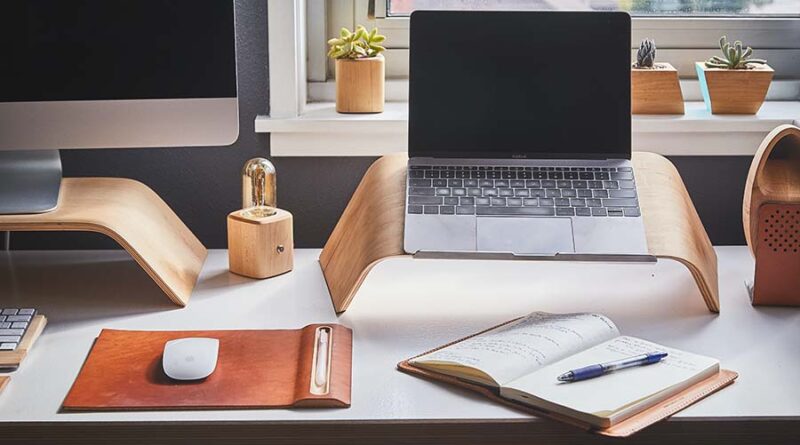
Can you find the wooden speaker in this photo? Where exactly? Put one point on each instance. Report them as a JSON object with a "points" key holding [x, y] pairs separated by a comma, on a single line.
{"points": [[260, 246], [771, 217]]}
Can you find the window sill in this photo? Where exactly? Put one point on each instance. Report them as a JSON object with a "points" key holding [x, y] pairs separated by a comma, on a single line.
{"points": [[320, 131]]}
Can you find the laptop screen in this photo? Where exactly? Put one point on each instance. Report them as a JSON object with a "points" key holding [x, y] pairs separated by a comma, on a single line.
{"points": [[520, 85]]}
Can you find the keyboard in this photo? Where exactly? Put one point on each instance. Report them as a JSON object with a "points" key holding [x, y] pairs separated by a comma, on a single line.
{"points": [[524, 191], [13, 325]]}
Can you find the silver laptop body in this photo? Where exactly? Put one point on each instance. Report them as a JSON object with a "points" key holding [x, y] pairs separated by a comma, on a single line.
{"points": [[526, 160]]}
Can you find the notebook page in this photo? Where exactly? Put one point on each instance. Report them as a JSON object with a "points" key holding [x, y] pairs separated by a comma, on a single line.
{"points": [[520, 348], [613, 393]]}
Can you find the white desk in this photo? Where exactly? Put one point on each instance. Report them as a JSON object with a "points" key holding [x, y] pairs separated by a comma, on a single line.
{"points": [[405, 307]]}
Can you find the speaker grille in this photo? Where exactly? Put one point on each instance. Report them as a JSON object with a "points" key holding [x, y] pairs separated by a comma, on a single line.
{"points": [[782, 230]]}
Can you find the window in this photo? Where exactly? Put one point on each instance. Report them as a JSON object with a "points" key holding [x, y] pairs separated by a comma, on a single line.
{"points": [[685, 31]]}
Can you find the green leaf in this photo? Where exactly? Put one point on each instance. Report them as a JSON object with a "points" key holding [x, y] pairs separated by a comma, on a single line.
{"points": [[345, 33], [335, 42], [377, 48], [377, 39]]}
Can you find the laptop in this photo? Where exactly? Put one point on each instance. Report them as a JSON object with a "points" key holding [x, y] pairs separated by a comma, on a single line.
{"points": [[520, 136]]}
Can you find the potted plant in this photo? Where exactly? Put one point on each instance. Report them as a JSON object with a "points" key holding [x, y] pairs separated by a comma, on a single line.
{"points": [[360, 70], [655, 88], [734, 83]]}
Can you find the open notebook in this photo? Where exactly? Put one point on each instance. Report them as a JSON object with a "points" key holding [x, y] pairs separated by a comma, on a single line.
{"points": [[521, 360]]}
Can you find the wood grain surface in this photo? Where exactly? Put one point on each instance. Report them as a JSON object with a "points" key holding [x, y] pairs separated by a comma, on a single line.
{"points": [[260, 247], [736, 91], [134, 216], [360, 85], [14, 358], [656, 91], [371, 227]]}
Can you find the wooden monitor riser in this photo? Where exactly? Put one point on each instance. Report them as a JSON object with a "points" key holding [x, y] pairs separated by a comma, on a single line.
{"points": [[135, 217], [371, 227]]}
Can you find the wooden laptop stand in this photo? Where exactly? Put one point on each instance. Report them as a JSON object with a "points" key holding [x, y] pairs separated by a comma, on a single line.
{"points": [[371, 227], [134, 216]]}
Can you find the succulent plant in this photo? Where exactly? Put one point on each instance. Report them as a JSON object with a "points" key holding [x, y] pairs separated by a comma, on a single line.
{"points": [[646, 55], [734, 58], [357, 44]]}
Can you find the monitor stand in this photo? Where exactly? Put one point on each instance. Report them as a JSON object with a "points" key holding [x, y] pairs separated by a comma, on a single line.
{"points": [[29, 181]]}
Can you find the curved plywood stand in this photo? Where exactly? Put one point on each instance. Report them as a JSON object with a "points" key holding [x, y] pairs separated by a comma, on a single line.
{"points": [[135, 217], [777, 180], [371, 227]]}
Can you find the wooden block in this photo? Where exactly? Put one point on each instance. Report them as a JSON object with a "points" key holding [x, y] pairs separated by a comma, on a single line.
{"points": [[656, 90], [12, 359], [260, 247], [371, 227], [360, 85], [734, 91], [133, 215]]}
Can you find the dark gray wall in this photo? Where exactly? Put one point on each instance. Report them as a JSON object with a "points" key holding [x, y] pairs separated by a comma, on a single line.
{"points": [[202, 184]]}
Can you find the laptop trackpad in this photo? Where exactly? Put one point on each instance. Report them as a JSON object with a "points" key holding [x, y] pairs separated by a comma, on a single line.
{"points": [[541, 236]]}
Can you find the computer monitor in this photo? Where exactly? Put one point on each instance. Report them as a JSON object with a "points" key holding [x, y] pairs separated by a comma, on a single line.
{"points": [[108, 74]]}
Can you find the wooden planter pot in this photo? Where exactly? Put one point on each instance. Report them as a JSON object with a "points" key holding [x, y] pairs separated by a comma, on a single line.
{"points": [[656, 90], [360, 85], [734, 91]]}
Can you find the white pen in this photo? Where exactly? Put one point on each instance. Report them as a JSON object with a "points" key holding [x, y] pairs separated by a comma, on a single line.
{"points": [[321, 378]]}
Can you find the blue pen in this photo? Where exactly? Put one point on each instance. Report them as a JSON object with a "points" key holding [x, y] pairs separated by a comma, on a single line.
{"points": [[592, 371]]}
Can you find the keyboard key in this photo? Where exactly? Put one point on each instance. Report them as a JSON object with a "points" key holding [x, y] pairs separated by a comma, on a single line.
{"points": [[19, 325], [583, 211], [8, 346], [9, 312], [610, 184], [594, 202], [470, 183], [571, 175], [569, 193], [516, 183], [474, 191], [624, 169], [486, 183], [459, 192], [580, 184], [530, 202], [546, 202], [477, 174], [490, 192], [600, 193], [537, 193], [462, 174], [448, 174], [547, 184], [552, 193], [524, 175], [419, 182], [431, 210], [562, 202], [533, 184], [627, 193], [631, 211], [622, 175], [564, 184], [595, 184], [555, 175], [532, 211], [467, 201], [599, 211], [603, 176], [565, 211], [450, 201], [577, 202], [10, 338], [522, 193], [498, 201], [506, 192], [539, 175], [482, 201], [415, 209], [6, 332], [5, 325], [416, 174], [516, 202], [455, 182], [13, 318], [493, 174], [586, 175], [584, 193], [501, 183], [443, 191], [626, 185], [421, 191], [431, 174], [467, 210], [615, 212], [447, 210], [509, 175], [438, 182], [623, 202]]}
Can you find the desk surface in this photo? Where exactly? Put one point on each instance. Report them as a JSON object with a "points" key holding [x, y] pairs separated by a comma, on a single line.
{"points": [[405, 307]]}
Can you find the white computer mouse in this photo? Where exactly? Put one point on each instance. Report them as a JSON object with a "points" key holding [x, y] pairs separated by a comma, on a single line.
{"points": [[190, 358]]}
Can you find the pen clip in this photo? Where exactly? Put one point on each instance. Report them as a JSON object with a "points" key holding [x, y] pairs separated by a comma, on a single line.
{"points": [[321, 361]]}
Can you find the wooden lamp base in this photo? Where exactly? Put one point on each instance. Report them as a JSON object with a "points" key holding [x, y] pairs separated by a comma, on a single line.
{"points": [[260, 247], [371, 227]]}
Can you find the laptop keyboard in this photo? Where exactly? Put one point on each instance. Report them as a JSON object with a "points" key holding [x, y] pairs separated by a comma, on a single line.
{"points": [[516, 190]]}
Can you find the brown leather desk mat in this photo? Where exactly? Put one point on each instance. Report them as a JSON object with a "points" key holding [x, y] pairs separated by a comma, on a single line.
{"points": [[624, 428], [255, 369]]}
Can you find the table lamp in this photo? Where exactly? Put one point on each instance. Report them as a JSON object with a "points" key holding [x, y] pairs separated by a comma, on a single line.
{"points": [[260, 238]]}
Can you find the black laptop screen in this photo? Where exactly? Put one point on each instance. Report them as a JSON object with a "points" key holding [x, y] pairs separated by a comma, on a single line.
{"points": [[519, 85]]}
